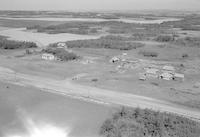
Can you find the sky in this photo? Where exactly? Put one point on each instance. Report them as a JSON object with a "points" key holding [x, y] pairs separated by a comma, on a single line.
{"points": [[99, 4]]}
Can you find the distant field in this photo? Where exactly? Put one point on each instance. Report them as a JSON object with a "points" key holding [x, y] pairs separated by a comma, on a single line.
{"points": [[25, 23]]}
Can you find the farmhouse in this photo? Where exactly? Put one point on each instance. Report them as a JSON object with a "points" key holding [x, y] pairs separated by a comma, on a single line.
{"points": [[47, 56]]}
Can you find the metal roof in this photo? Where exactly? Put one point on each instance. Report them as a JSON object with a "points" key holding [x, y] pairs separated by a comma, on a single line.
{"points": [[179, 75], [169, 68]]}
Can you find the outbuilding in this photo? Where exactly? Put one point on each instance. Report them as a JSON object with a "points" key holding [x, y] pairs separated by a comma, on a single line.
{"points": [[115, 59], [61, 45], [179, 77], [142, 76]]}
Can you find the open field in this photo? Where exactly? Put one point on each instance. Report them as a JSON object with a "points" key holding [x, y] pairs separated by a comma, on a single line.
{"points": [[108, 77], [111, 68]]}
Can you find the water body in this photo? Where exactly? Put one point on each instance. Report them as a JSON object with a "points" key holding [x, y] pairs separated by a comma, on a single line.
{"points": [[42, 39], [126, 20], [29, 112]]}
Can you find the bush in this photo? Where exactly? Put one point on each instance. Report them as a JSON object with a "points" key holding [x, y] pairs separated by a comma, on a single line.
{"points": [[148, 53], [185, 55], [164, 38], [94, 80], [147, 123]]}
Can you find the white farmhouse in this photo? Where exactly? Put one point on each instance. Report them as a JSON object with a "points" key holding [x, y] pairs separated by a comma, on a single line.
{"points": [[47, 56]]}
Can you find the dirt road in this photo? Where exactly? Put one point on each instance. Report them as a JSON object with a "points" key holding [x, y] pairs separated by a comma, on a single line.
{"points": [[94, 94]]}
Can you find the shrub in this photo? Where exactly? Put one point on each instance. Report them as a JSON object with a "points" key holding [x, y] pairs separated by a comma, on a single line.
{"points": [[148, 53], [147, 123], [185, 55], [94, 80], [164, 38]]}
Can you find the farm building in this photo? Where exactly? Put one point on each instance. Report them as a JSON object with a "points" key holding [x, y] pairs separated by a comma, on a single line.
{"points": [[166, 76], [115, 59], [169, 68], [61, 45], [47, 56], [142, 76], [124, 54], [179, 77]]}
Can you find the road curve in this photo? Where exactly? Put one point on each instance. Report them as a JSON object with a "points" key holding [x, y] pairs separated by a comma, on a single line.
{"points": [[95, 94]]}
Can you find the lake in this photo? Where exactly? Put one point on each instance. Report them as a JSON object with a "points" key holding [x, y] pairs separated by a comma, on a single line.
{"points": [[126, 20], [42, 39]]}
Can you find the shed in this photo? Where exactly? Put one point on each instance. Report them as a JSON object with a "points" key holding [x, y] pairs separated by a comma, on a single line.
{"points": [[115, 59], [124, 54], [179, 77], [142, 76], [47, 56]]}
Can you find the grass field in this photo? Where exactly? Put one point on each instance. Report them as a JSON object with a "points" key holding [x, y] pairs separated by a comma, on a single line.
{"points": [[108, 77]]}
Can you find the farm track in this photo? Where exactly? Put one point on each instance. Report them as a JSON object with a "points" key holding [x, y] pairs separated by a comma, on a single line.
{"points": [[96, 95]]}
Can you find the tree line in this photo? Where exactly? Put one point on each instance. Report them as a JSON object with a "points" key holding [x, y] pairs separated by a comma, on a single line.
{"points": [[148, 123]]}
